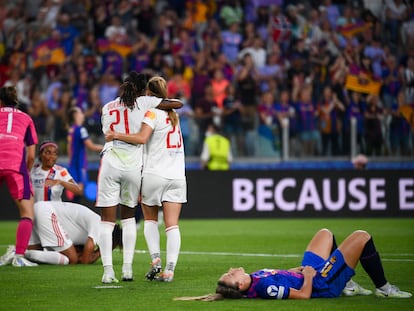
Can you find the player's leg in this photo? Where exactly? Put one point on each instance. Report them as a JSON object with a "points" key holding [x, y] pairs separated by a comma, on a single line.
{"points": [[151, 201], [107, 199], [47, 257], [25, 225], [108, 218], [321, 243], [352, 247], [130, 191], [129, 238], [21, 191], [172, 199], [171, 216], [359, 246], [152, 238]]}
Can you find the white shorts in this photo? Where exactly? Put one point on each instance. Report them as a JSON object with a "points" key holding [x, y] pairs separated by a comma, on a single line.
{"points": [[156, 189], [117, 186], [47, 230]]}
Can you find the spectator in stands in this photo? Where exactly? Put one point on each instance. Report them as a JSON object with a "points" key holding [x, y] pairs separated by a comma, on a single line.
{"points": [[257, 52], [392, 81], [178, 86], [268, 131], [76, 11], [330, 109], [399, 128], [41, 116], [408, 80], [247, 90], [68, 33], [201, 78], [205, 110], [65, 101], [231, 40], [355, 107], [373, 131], [231, 12], [116, 31], [306, 112], [332, 12], [272, 71], [395, 14], [232, 120], [101, 19], [297, 21], [146, 16], [287, 121], [219, 84]]}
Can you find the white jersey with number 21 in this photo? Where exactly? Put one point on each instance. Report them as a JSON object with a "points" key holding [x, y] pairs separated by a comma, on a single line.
{"points": [[117, 117]]}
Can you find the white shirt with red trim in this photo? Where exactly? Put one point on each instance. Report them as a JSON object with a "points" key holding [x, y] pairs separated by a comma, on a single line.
{"points": [[39, 176]]}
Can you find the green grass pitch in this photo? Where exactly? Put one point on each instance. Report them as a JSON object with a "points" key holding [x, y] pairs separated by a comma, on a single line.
{"points": [[209, 248]]}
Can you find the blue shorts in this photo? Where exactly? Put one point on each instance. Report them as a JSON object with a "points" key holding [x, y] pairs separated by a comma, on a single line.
{"points": [[332, 274]]}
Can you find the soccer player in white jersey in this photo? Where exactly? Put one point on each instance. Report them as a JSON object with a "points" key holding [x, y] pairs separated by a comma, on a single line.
{"points": [[50, 179], [76, 228], [119, 180], [64, 233], [163, 179], [60, 227]]}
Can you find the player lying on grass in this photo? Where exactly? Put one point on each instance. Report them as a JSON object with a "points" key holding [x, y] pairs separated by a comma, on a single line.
{"points": [[63, 233], [324, 273]]}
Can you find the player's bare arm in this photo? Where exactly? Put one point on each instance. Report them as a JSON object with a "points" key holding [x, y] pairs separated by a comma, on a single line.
{"points": [[306, 289], [137, 138], [170, 103]]}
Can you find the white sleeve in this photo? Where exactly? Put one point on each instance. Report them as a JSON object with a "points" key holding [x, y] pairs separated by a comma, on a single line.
{"points": [[150, 102], [150, 118]]}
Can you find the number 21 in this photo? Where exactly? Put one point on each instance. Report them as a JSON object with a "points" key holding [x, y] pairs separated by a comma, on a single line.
{"points": [[118, 120]]}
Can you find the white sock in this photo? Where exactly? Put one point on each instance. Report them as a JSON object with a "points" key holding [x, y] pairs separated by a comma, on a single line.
{"points": [[105, 242], [152, 237], [173, 246], [49, 257], [129, 239]]}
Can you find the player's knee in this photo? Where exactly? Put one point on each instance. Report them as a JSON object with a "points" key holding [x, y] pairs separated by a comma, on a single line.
{"points": [[326, 232], [362, 235]]}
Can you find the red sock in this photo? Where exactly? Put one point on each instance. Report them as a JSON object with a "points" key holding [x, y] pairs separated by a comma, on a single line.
{"points": [[24, 230]]}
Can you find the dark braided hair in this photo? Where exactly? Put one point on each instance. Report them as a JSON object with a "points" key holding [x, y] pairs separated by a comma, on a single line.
{"points": [[134, 85], [228, 291], [8, 95]]}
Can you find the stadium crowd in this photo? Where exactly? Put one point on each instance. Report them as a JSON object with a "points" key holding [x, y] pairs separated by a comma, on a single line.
{"points": [[248, 66]]}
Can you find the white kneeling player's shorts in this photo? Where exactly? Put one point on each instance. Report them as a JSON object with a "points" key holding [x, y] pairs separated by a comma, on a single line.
{"points": [[117, 186], [47, 230], [156, 189]]}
